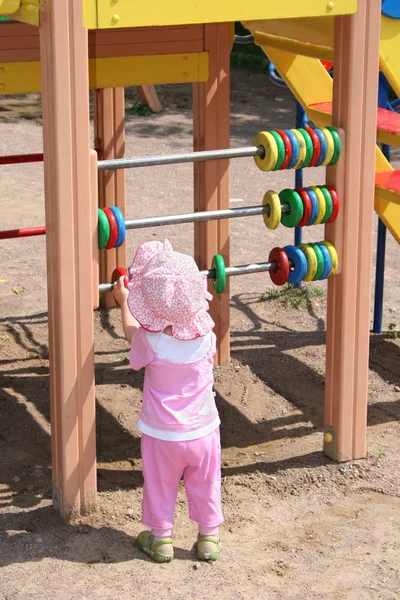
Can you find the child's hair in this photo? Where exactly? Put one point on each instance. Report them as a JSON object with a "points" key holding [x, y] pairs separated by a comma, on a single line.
{"points": [[167, 289]]}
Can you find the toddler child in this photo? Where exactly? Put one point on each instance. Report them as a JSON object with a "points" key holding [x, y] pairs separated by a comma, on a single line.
{"points": [[165, 319]]}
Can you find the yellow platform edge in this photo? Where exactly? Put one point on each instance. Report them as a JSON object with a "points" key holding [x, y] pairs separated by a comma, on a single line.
{"points": [[387, 195], [141, 13], [24, 77]]}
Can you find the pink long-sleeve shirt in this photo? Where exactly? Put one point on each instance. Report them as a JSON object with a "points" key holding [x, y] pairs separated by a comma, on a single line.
{"points": [[178, 397]]}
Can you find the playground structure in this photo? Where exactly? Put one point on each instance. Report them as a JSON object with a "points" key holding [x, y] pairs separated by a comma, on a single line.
{"points": [[189, 43]]}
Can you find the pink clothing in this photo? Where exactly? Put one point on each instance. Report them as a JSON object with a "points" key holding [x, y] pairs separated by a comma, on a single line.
{"points": [[164, 464], [178, 398]]}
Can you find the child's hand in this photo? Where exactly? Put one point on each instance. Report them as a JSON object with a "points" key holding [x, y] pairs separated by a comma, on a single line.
{"points": [[120, 292]]}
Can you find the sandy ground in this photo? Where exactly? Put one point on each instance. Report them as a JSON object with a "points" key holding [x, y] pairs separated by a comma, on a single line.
{"points": [[296, 524]]}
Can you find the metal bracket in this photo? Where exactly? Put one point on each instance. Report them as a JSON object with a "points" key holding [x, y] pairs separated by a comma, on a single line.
{"points": [[330, 442]]}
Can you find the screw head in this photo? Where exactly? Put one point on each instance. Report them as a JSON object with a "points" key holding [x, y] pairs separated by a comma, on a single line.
{"points": [[115, 19], [328, 437], [330, 6]]}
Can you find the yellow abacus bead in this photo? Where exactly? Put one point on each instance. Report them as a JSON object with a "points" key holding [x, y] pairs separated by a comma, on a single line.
{"points": [[272, 217], [331, 146], [267, 141], [334, 257], [312, 262], [321, 203], [302, 149]]}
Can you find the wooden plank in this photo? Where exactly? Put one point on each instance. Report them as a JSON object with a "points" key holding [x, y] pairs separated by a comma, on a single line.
{"points": [[69, 225], [146, 35], [211, 105], [348, 318], [161, 49], [148, 95], [109, 123], [20, 43]]}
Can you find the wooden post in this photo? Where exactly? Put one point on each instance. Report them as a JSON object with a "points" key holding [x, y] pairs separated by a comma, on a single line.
{"points": [[109, 132], [69, 239], [148, 95], [211, 115], [348, 320]]}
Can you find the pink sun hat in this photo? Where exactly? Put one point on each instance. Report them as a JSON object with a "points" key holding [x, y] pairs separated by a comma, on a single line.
{"points": [[167, 289]]}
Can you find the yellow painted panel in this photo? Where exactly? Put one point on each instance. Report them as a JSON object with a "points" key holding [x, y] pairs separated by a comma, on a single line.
{"points": [[323, 119], [306, 77], [293, 45], [390, 215], [317, 31], [90, 14], [20, 78], [390, 51], [24, 77], [141, 13], [8, 7], [148, 70]]}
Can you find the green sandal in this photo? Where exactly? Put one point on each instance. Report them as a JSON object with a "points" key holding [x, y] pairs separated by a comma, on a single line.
{"points": [[208, 547], [160, 550]]}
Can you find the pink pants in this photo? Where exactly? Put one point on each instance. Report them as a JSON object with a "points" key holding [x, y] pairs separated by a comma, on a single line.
{"points": [[164, 464]]}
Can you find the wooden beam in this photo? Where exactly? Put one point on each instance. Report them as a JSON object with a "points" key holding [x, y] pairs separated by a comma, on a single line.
{"points": [[109, 131], [348, 320], [211, 129], [69, 239]]}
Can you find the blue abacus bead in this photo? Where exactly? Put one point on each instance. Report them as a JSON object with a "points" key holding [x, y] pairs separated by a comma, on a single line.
{"points": [[391, 8], [315, 206], [299, 260], [295, 148], [324, 147], [327, 260], [121, 226]]}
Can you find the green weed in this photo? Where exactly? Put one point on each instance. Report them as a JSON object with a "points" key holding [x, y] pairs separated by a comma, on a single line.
{"points": [[380, 454], [140, 109], [292, 297]]}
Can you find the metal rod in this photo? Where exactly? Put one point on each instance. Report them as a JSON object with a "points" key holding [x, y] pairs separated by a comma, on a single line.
{"points": [[229, 271], [243, 269], [171, 159], [207, 215]]}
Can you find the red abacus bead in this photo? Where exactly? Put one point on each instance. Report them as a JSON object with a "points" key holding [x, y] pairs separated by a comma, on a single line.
{"points": [[307, 204], [120, 272], [288, 148], [281, 275], [316, 145], [113, 227], [335, 203], [116, 274]]}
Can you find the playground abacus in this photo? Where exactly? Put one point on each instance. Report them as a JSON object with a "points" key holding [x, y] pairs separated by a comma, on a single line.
{"points": [[274, 150]]}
